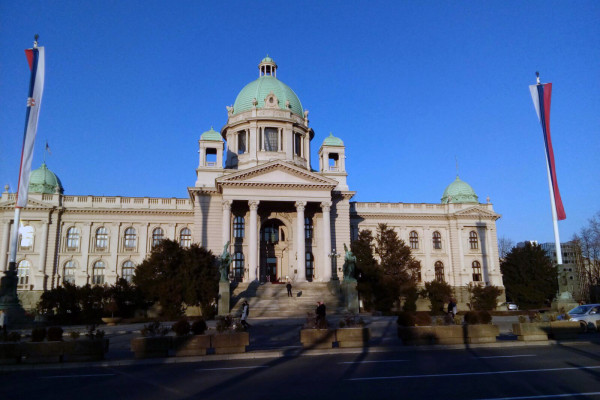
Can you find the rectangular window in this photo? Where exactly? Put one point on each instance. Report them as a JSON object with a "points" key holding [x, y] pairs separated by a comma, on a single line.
{"points": [[241, 142], [271, 139], [298, 144]]}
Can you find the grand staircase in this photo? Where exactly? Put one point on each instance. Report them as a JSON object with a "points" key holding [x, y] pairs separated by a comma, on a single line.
{"points": [[270, 300]]}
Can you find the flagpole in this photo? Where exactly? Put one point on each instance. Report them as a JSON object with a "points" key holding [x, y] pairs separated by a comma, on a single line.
{"points": [[552, 198]]}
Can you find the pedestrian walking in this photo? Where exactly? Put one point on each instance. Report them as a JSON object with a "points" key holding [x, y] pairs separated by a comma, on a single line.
{"points": [[321, 312], [289, 289], [245, 312], [452, 308]]}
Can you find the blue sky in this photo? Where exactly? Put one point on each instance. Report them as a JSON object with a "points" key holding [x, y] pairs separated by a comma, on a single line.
{"points": [[409, 86]]}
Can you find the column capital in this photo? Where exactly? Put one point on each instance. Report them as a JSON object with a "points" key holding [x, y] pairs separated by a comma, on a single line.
{"points": [[326, 206], [226, 204], [300, 205], [253, 204]]}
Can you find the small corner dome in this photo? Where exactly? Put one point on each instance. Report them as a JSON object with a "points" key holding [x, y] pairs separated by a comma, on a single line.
{"points": [[42, 180], [211, 135], [262, 87], [459, 192], [333, 141]]}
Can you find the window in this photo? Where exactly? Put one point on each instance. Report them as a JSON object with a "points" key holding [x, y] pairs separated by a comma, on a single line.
{"points": [[270, 234], [308, 228], [69, 272], [26, 237], [437, 240], [476, 271], [310, 266], [101, 238], [185, 238], [473, 240], [127, 271], [130, 239], [238, 266], [241, 142], [298, 144], [98, 273], [271, 139], [439, 271], [334, 159], [414, 240], [418, 274], [238, 227], [157, 236], [72, 238], [23, 272]]}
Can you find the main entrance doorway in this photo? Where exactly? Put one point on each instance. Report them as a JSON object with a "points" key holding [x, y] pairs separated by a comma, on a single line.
{"points": [[273, 251]]}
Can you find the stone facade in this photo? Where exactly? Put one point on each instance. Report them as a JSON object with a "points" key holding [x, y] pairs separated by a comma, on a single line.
{"points": [[284, 221]]}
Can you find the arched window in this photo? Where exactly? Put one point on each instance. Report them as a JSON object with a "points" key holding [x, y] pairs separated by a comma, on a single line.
{"points": [[130, 239], [439, 271], [271, 139], [310, 266], [238, 227], [437, 240], [128, 270], [72, 238], [26, 234], [98, 273], [308, 228], [23, 272], [157, 236], [238, 266], [185, 238], [69, 272], [101, 238], [473, 241], [476, 271], [414, 240]]}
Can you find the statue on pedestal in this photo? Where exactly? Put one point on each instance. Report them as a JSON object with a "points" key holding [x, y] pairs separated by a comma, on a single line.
{"points": [[225, 261], [349, 264]]}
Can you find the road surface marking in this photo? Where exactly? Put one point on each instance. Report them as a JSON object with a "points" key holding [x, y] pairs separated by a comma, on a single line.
{"points": [[520, 355], [367, 362], [548, 396], [221, 369], [75, 376], [473, 373]]}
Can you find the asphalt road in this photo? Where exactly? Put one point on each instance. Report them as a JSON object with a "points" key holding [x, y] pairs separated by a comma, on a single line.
{"points": [[546, 372]]}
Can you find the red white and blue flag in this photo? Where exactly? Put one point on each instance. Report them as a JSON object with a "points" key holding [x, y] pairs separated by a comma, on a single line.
{"points": [[541, 94], [36, 59]]}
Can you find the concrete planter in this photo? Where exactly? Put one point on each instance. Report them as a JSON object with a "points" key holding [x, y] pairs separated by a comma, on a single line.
{"points": [[317, 338], [111, 321], [532, 331], [231, 342], [42, 352], [353, 337], [10, 353], [191, 345], [482, 333], [85, 349], [151, 346], [561, 330], [448, 334]]}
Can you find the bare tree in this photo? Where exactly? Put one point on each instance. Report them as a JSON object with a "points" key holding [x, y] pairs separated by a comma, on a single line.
{"points": [[505, 245], [588, 257]]}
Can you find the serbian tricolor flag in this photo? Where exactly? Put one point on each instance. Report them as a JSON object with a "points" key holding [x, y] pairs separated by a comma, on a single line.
{"points": [[35, 57], [541, 94]]}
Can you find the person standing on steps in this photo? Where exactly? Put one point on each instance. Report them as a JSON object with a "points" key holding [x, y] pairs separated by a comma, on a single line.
{"points": [[289, 289], [245, 312]]}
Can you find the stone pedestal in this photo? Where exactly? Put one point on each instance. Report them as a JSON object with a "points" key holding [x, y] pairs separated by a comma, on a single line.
{"points": [[564, 301], [224, 298], [350, 295]]}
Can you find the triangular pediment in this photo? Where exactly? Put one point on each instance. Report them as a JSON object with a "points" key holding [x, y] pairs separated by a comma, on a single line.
{"points": [[477, 212], [276, 173], [31, 204]]}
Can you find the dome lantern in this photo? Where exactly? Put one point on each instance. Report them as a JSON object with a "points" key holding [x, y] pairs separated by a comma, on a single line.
{"points": [[267, 67]]}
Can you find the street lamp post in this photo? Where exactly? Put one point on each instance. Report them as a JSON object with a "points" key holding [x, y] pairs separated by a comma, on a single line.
{"points": [[334, 255]]}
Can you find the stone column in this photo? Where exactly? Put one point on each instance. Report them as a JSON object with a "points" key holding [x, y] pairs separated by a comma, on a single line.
{"points": [[226, 221], [326, 264], [253, 249], [4, 248], [44, 247], [300, 244]]}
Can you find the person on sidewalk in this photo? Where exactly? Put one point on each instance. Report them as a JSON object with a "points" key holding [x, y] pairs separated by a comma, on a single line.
{"points": [[321, 315], [245, 312], [289, 289]]}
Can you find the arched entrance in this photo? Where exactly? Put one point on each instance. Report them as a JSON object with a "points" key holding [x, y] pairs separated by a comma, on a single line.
{"points": [[273, 251]]}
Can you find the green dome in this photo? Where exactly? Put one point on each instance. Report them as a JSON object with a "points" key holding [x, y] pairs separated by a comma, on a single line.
{"points": [[459, 192], [332, 141], [260, 88], [211, 135], [267, 59], [42, 180]]}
